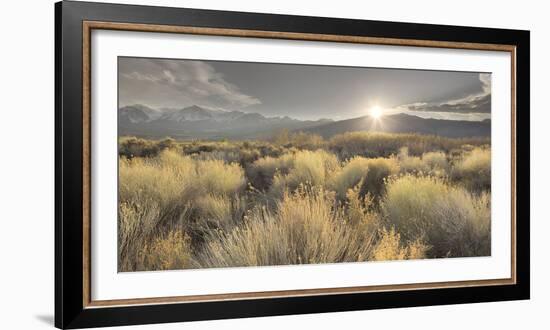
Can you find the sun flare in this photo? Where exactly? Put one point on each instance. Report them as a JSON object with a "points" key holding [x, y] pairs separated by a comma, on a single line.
{"points": [[376, 112]]}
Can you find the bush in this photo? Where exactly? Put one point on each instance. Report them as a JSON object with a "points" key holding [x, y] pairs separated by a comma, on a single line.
{"points": [[358, 197], [136, 224], [174, 191], [376, 144], [307, 227], [169, 251], [371, 172], [219, 212], [432, 163], [390, 247], [261, 172], [299, 140], [379, 170], [449, 219], [310, 168], [474, 170]]}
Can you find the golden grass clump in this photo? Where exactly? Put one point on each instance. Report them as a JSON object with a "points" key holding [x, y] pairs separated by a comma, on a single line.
{"points": [[474, 170], [448, 218], [261, 172], [136, 224], [300, 199], [351, 173], [307, 227], [309, 168], [170, 251], [390, 247], [157, 194], [370, 171], [378, 144]]}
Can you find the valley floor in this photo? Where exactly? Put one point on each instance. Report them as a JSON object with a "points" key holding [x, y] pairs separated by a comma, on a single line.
{"points": [[301, 199]]}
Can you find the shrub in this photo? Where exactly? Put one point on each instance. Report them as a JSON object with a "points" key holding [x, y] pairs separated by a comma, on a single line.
{"points": [[379, 170], [435, 161], [185, 204], [359, 210], [134, 147], [307, 227], [352, 172], [173, 191], [306, 141], [474, 170], [218, 212], [370, 171], [216, 177], [390, 247], [261, 172], [309, 167], [136, 223], [169, 251], [377, 144], [431, 163], [451, 220], [299, 140]]}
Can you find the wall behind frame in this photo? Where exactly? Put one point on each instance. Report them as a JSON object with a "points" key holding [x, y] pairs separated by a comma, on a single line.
{"points": [[27, 168]]}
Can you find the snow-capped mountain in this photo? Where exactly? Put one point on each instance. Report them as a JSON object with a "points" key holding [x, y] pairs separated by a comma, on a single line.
{"points": [[200, 122], [138, 113]]}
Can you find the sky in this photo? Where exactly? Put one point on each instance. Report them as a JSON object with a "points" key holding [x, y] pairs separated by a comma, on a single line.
{"points": [[303, 91]]}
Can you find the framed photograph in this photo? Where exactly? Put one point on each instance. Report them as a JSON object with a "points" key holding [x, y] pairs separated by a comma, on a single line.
{"points": [[214, 164]]}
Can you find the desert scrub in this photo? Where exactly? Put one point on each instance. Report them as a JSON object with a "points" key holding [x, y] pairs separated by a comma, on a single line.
{"points": [[169, 251], [261, 172], [352, 172], [301, 140], [370, 171], [291, 170], [311, 168], [448, 218], [379, 170], [215, 212], [136, 224], [376, 144], [430, 163], [174, 191], [390, 247], [474, 170], [307, 227]]}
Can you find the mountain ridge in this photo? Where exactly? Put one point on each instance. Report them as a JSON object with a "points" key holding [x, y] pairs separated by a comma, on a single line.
{"points": [[405, 123], [200, 122]]}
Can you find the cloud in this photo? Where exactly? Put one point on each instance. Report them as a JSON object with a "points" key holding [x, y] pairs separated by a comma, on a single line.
{"points": [[473, 103], [178, 83]]}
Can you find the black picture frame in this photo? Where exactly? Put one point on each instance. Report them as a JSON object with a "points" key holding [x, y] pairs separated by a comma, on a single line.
{"points": [[70, 309]]}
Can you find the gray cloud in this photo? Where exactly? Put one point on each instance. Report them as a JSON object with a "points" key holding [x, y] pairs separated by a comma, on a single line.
{"points": [[303, 91], [166, 83], [474, 103]]}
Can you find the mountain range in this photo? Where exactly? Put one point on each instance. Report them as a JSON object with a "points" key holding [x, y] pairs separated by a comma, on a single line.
{"points": [[404, 123], [195, 122]]}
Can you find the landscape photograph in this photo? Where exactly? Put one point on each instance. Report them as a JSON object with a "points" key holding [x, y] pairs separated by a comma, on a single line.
{"points": [[245, 164]]}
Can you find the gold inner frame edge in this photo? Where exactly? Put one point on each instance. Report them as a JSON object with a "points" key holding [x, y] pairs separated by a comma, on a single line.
{"points": [[88, 26]]}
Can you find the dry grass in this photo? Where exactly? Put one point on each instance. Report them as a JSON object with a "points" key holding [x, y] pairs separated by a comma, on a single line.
{"points": [[158, 194], [307, 227], [301, 199], [309, 167], [370, 171], [433, 163], [474, 170], [448, 218], [390, 247], [170, 251], [375, 144]]}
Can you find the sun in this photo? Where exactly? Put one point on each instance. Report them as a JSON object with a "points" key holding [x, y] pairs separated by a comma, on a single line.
{"points": [[376, 112]]}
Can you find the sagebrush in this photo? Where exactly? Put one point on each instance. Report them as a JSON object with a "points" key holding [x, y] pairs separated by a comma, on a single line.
{"points": [[299, 199]]}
